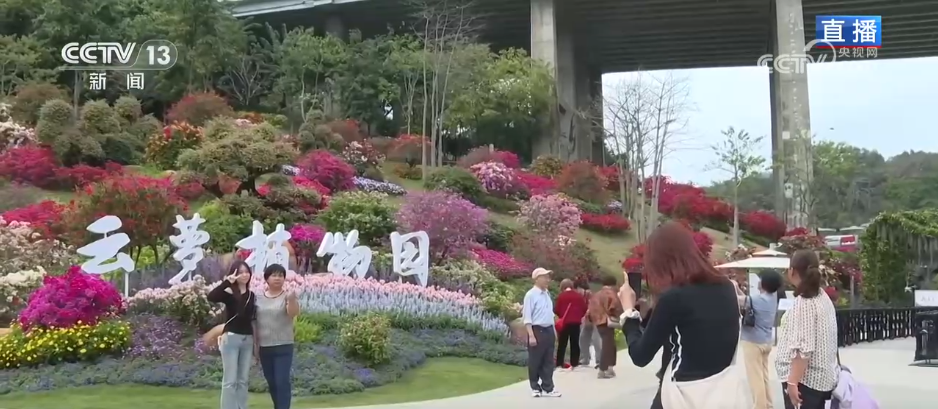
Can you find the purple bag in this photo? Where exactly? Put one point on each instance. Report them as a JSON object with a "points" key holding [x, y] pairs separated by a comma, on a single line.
{"points": [[850, 393]]}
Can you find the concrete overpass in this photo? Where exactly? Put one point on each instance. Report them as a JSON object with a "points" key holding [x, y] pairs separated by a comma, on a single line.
{"points": [[583, 39]]}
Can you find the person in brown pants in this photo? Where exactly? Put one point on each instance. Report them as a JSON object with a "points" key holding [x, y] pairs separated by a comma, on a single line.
{"points": [[605, 307]]}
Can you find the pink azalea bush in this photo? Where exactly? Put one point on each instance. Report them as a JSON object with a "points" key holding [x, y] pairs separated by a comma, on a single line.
{"points": [[185, 302], [306, 239], [452, 222], [73, 298], [550, 214], [503, 264], [496, 179]]}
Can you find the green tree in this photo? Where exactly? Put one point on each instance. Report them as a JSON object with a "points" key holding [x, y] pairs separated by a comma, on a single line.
{"points": [[737, 156], [22, 60], [245, 156], [506, 103], [306, 67]]}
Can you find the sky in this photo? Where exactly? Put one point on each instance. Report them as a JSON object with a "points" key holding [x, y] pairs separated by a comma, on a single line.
{"points": [[885, 105]]}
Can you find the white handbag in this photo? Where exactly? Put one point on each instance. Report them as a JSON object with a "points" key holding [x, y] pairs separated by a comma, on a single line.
{"points": [[728, 389]]}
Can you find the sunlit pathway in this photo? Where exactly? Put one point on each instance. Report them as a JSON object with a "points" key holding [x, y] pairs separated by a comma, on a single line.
{"points": [[883, 366]]}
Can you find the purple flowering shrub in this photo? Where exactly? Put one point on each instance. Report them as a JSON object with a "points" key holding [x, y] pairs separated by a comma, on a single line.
{"points": [[453, 223], [155, 337], [73, 298], [318, 368]]}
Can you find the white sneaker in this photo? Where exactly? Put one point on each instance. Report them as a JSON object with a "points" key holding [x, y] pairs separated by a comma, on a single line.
{"points": [[536, 394], [551, 394]]}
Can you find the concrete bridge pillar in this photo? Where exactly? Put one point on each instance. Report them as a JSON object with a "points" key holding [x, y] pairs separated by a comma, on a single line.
{"points": [[791, 118], [553, 42], [336, 27], [597, 133]]}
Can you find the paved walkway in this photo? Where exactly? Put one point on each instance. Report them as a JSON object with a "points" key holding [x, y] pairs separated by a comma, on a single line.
{"points": [[883, 366]]}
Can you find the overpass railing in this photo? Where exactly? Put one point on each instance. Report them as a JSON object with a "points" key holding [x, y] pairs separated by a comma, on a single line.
{"points": [[876, 324]]}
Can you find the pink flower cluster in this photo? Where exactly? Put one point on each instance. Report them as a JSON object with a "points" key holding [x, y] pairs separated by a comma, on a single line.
{"points": [[65, 300], [550, 214], [504, 265], [496, 178], [452, 222], [535, 184]]}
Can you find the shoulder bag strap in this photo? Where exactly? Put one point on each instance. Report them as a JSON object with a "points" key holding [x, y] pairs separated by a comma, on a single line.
{"points": [[246, 302]]}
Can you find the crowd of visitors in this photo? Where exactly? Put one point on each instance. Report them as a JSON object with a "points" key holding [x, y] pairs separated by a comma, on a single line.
{"points": [[712, 335]]}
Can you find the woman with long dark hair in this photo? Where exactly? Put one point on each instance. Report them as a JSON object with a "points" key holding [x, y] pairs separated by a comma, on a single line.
{"points": [[236, 343], [276, 309], [806, 358], [695, 318]]}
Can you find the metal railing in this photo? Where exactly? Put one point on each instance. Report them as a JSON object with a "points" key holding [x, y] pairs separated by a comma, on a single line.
{"points": [[876, 324]]}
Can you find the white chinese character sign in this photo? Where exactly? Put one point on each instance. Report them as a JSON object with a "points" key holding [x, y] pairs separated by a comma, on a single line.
{"points": [[189, 243], [135, 80], [849, 31], [97, 81], [410, 258], [266, 250], [347, 255], [107, 248]]}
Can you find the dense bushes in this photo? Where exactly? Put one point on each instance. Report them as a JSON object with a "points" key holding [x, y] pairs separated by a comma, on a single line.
{"points": [[71, 299], [565, 257], [327, 169], [146, 206], [452, 223], [606, 223], [550, 215], [163, 149], [583, 181], [547, 166], [369, 213], [367, 338], [498, 180], [764, 224], [198, 108], [455, 180]]}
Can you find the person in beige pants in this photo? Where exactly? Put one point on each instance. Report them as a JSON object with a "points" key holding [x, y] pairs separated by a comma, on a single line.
{"points": [[756, 337]]}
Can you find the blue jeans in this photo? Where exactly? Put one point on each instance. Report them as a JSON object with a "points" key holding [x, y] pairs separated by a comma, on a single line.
{"points": [[277, 363], [236, 353]]}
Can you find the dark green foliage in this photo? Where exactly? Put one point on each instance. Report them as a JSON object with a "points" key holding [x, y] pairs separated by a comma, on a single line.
{"points": [[456, 180]]}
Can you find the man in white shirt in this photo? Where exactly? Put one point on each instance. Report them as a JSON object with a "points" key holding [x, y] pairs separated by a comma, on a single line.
{"points": [[538, 315]]}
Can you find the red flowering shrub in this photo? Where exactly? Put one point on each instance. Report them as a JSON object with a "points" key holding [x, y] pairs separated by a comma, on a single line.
{"points": [[635, 261], [83, 175], [198, 108], [763, 224], [832, 293], [566, 258], [503, 265], [64, 300], [611, 173], [327, 169], [606, 223], [190, 190], [791, 244], [146, 206], [41, 216], [535, 185], [798, 231], [583, 181], [507, 158], [407, 149], [311, 184], [34, 165], [846, 267]]}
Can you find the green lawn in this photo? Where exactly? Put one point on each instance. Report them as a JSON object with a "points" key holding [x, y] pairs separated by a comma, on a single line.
{"points": [[438, 378]]}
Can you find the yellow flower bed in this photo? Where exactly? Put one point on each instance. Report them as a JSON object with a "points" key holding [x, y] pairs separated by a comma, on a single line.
{"points": [[54, 345]]}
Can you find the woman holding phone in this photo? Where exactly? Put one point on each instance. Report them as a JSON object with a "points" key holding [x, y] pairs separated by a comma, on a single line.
{"points": [[236, 343], [276, 309], [695, 316]]}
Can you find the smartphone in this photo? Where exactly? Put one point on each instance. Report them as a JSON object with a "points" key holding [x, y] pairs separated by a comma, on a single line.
{"points": [[635, 281]]}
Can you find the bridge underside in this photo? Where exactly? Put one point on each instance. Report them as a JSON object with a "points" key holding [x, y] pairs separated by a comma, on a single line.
{"points": [[621, 36], [582, 39]]}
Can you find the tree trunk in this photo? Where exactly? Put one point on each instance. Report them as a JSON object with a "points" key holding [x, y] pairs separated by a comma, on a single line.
{"points": [[735, 216]]}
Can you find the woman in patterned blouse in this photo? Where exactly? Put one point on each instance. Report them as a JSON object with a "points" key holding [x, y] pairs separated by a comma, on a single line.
{"points": [[807, 342]]}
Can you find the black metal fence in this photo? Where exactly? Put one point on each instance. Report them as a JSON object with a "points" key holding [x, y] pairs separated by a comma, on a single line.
{"points": [[876, 324]]}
